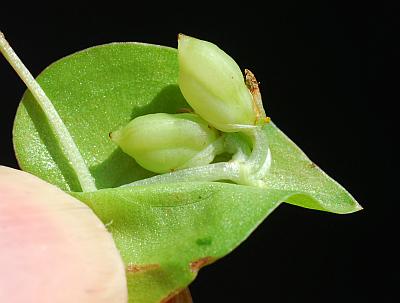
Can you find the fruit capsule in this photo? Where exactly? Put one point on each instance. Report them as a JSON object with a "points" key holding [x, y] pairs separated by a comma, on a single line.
{"points": [[166, 142], [214, 86]]}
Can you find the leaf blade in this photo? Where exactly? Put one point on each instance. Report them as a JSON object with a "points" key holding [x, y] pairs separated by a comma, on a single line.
{"points": [[178, 228]]}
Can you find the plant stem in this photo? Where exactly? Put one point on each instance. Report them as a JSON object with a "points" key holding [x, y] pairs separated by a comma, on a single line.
{"points": [[242, 169], [67, 144]]}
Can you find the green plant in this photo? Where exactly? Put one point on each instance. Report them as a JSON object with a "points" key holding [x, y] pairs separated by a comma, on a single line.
{"points": [[168, 226]]}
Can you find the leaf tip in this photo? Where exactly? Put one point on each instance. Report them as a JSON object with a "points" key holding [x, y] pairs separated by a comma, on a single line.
{"points": [[358, 207], [355, 208]]}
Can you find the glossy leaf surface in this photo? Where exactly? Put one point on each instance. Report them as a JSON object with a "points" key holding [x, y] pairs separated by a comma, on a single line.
{"points": [[165, 232]]}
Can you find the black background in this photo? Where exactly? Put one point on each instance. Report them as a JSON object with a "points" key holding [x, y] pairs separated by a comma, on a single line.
{"points": [[321, 69]]}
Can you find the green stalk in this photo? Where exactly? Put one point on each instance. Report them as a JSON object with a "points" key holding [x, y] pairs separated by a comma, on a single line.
{"points": [[206, 173], [260, 158], [244, 168], [67, 144]]}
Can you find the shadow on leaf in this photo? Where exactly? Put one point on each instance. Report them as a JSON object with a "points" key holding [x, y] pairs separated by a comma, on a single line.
{"points": [[168, 100], [128, 170]]}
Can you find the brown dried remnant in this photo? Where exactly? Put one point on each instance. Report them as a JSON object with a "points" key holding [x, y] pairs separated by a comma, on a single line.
{"points": [[184, 110], [251, 82], [196, 265], [182, 297], [134, 268], [312, 165], [252, 85]]}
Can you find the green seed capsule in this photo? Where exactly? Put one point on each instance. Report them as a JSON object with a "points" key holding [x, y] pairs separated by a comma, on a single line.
{"points": [[163, 142], [213, 85]]}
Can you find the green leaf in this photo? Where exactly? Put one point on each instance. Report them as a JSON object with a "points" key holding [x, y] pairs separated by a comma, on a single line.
{"points": [[291, 170], [166, 232], [160, 229]]}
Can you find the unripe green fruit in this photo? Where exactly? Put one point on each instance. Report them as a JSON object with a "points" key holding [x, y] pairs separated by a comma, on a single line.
{"points": [[213, 85], [164, 142]]}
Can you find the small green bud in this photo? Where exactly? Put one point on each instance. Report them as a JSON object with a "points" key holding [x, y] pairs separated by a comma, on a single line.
{"points": [[164, 142], [214, 86]]}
